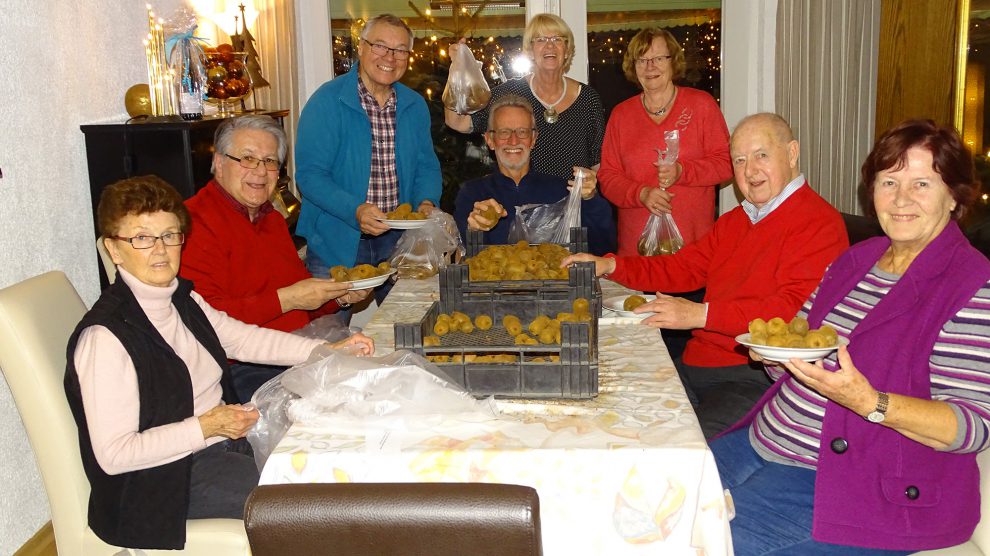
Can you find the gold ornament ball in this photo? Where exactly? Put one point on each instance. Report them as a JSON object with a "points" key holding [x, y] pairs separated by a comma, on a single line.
{"points": [[137, 99]]}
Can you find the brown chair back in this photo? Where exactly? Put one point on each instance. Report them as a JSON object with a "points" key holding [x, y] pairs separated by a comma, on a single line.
{"points": [[383, 519]]}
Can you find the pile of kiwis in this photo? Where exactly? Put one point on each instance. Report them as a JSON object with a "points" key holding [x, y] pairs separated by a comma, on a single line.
{"points": [[777, 332], [341, 273], [519, 261], [404, 212], [541, 330]]}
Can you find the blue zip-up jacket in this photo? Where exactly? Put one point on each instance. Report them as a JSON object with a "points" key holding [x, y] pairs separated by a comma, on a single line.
{"points": [[333, 163]]}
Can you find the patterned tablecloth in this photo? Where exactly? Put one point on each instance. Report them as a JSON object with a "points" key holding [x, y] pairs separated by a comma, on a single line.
{"points": [[628, 472]]}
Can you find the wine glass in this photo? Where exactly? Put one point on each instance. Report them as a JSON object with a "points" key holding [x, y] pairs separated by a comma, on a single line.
{"points": [[227, 80]]}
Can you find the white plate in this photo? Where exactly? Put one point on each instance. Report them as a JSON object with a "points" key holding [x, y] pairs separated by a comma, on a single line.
{"points": [[614, 304], [366, 283], [783, 354], [404, 224]]}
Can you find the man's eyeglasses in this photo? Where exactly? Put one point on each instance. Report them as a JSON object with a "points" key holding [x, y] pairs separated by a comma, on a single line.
{"points": [[520, 132], [250, 162], [543, 41], [381, 50], [656, 60], [170, 239]]}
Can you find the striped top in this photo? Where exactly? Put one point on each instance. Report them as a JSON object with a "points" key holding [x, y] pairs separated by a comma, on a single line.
{"points": [[788, 429]]}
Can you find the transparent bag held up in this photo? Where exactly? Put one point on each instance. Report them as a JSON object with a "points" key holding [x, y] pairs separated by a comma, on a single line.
{"points": [[549, 223], [466, 91], [660, 235]]}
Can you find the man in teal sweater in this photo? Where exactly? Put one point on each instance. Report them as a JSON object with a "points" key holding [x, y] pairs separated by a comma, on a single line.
{"points": [[762, 259], [364, 147]]}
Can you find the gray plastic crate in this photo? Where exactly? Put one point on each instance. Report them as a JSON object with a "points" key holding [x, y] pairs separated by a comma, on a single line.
{"points": [[574, 376]]}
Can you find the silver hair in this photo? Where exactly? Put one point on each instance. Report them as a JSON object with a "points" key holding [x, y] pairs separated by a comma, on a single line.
{"points": [[389, 19], [510, 100], [224, 138]]}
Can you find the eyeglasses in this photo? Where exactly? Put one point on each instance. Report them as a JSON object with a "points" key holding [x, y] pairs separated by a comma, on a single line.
{"points": [[170, 239], [543, 41], [381, 50], [250, 162], [656, 60], [520, 132]]}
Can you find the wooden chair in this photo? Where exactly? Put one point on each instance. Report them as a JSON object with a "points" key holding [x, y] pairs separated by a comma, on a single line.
{"points": [[394, 519], [37, 316]]}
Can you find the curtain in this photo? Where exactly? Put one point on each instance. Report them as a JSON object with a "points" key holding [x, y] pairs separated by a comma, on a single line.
{"points": [[276, 43], [826, 68]]}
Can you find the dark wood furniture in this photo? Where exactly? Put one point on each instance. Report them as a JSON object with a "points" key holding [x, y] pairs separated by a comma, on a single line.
{"points": [[180, 152]]}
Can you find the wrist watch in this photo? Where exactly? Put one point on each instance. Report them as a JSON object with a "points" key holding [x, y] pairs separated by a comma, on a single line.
{"points": [[880, 413]]}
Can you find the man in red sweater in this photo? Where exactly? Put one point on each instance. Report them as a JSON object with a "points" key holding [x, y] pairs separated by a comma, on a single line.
{"points": [[239, 253], [762, 259]]}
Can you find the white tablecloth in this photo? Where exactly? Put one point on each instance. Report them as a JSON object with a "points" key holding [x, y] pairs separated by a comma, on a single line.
{"points": [[628, 472]]}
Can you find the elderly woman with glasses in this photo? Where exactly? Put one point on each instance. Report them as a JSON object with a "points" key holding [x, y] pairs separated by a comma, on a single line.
{"points": [[148, 382], [630, 177], [569, 115], [873, 449]]}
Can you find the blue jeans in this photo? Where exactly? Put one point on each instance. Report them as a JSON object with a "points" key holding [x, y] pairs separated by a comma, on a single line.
{"points": [[371, 250], [774, 503]]}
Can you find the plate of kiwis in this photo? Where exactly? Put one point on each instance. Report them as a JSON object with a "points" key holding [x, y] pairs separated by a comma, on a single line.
{"points": [[779, 340], [362, 276], [404, 218], [623, 305]]}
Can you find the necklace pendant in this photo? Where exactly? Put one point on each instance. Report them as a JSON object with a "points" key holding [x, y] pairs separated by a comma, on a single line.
{"points": [[550, 115]]}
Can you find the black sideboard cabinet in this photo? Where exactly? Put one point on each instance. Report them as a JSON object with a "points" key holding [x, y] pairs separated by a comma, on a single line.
{"points": [[180, 152]]}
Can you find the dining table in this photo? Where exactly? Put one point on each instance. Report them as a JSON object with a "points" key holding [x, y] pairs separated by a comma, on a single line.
{"points": [[625, 472]]}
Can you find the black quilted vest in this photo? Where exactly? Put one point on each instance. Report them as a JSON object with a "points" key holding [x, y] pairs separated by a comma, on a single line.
{"points": [[145, 508]]}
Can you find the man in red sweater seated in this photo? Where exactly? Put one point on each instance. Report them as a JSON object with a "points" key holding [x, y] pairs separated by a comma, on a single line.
{"points": [[239, 253], [762, 259]]}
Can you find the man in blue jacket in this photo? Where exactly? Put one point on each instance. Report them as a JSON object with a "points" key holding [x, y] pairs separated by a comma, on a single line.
{"points": [[364, 147], [512, 134]]}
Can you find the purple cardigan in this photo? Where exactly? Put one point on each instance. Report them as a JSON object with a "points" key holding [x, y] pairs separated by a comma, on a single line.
{"points": [[885, 490]]}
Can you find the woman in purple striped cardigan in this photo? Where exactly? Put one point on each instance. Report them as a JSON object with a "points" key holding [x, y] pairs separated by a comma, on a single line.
{"points": [[873, 450]]}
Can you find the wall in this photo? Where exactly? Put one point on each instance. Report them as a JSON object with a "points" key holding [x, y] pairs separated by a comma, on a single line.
{"points": [[64, 63]]}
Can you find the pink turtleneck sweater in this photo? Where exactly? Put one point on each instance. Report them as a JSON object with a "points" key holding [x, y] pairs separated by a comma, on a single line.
{"points": [[109, 382]]}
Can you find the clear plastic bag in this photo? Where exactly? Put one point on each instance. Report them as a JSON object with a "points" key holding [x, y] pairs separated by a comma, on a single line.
{"points": [[466, 91], [660, 235], [549, 223], [356, 394], [422, 252]]}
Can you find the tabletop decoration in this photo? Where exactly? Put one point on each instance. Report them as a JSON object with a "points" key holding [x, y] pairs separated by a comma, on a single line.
{"points": [[160, 78], [186, 61]]}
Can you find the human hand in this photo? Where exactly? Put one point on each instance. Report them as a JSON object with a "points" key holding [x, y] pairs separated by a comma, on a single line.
{"points": [[589, 185], [603, 265], [477, 220], [355, 296], [845, 386], [357, 344], [310, 293], [229, 421], [656, 200], [367, 215], [668, 174], [675, 313], [426, 207]]}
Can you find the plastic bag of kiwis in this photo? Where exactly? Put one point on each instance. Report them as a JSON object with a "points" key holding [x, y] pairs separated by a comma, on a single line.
{"points": [[422, 252], [466, 91]]}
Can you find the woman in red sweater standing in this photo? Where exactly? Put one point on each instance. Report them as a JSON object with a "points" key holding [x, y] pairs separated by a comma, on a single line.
{"points": [[629, 176]]}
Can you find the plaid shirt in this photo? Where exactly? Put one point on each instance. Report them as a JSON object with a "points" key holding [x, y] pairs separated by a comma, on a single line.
{"points": [[383, 186]]}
